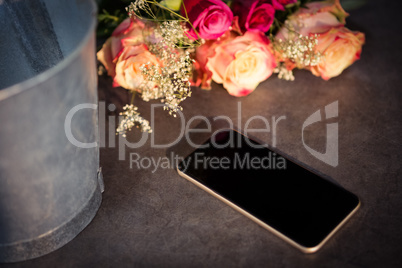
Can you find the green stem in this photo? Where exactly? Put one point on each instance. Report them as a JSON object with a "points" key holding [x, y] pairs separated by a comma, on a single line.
{"points": [[188, 20], [154, 20], [132, 97], [111, 17], [165, 8], [277, 23]]}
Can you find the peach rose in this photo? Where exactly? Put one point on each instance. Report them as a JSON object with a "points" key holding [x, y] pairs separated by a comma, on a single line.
{"points": [[340, 47], [128, 66], [317, 17], [129, 32], [240, 63]]}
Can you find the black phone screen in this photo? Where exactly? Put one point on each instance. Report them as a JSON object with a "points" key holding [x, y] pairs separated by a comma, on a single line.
{"points": [[291, 199]]}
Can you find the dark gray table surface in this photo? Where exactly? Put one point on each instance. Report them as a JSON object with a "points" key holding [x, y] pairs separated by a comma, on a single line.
{"points": [[160, 219]]}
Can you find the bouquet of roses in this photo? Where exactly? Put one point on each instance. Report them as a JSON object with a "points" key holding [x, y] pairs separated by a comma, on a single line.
{"points": [[165, 47]]}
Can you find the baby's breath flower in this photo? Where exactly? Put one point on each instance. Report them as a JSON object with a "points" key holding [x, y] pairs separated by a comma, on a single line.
{"points": [[284, 73], [171, 81], [134, 9], [300, 49], [131, 118], [101, 70]]}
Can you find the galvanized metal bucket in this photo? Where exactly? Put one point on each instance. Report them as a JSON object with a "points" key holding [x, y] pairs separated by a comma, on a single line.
{"points": [[49, 190]]}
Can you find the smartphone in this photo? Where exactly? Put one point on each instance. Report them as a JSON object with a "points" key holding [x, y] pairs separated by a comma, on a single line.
{"points": [[291, 201]]}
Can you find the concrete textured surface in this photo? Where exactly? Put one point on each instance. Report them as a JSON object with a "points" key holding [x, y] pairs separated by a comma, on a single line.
{"points": [[160, 219]]}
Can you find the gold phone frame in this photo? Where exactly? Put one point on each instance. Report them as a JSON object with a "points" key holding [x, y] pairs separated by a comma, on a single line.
{"points": [[263, 224]]}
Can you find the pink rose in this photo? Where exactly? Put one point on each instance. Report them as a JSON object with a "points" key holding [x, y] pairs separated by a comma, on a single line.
{"points": [[211, 18], [128, 66], [340, 47], [254, 15], [240, 63]]}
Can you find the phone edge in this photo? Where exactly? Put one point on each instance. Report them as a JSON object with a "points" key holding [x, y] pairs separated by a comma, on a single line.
{"points": [[307, 250]]}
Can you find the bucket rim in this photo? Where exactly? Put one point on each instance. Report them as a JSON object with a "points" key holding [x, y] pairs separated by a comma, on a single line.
{"points": [[20, 87]]}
